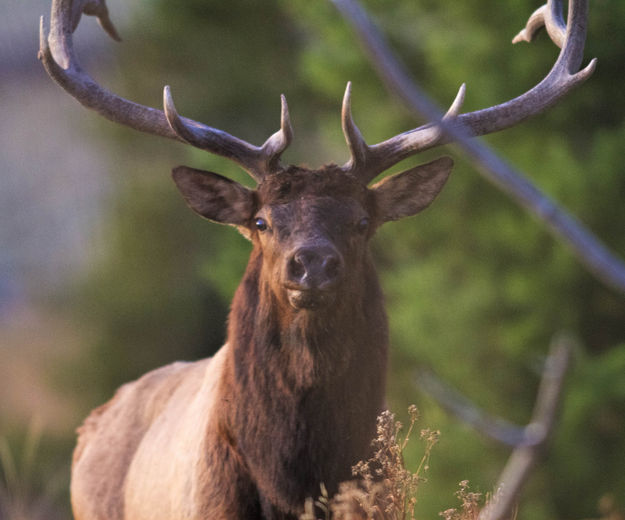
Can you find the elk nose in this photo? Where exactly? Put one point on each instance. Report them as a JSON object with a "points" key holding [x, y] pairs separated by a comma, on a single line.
{"points": [[315, 267]]}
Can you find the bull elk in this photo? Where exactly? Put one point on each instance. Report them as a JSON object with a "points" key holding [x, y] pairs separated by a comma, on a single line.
{"points": [[290, 401]]}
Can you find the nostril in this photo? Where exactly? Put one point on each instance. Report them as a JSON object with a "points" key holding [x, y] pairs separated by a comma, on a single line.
{"points": [[297, 270], [332, 267]]}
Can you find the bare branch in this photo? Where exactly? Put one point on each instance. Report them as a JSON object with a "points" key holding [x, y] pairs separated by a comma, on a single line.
{"points": [[458, 405], [525, 457], [529, 442], [589, 250]]}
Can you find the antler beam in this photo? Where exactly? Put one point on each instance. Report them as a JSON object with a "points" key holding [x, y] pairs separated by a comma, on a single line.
{"points": [[564, 76], [56, 52], [590, 251]]}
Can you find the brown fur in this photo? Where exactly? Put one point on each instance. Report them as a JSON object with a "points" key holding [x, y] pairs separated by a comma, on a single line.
{"points": [[290, 401]]}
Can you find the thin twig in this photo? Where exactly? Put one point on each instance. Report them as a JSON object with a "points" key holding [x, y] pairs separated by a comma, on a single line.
{"points": [[589, 250]]}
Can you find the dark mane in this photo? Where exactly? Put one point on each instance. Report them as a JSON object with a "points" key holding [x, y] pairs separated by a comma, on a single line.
{"points": [[288, 377]]}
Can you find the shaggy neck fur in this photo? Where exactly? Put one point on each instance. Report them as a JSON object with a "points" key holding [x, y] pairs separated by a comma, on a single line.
{"points": [[312, 384]]}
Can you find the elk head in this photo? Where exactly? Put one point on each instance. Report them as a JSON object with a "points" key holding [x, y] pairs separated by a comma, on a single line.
{"points": [[311, 227]]}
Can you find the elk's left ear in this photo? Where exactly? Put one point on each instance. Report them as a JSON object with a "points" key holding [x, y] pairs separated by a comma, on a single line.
{"points": [[412, 191], [215, 197]]}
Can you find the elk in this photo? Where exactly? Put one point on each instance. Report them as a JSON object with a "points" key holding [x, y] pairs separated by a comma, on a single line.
{"points": [[290, 401]]}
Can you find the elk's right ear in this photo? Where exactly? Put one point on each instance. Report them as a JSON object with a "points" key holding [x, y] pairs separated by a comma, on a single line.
{"points": [[215, 197]]}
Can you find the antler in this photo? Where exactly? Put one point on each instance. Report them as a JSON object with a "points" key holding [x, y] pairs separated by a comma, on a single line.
{"points": [[549, 16], [367, 161], [59, 59]]}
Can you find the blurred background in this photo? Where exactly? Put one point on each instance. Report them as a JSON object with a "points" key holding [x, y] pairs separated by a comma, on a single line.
{"points": [[105, 274]]}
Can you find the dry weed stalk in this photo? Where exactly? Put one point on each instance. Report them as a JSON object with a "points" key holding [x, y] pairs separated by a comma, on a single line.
{"points": [[470, 504], [383, 488]]}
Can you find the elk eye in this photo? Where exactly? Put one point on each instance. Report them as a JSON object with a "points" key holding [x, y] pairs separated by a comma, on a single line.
{"points": [[363, 225], [261, 224]]}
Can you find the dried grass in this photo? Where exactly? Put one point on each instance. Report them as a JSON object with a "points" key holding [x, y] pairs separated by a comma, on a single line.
{"points": [[383, 488]]}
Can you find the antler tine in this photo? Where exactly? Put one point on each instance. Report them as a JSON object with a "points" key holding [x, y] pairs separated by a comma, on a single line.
{"points": [[549, 16], [273, 147], [436, 131], [57, 55], [357, 146], [366, 162], [564, 76], [98, 9], [257, 161]]}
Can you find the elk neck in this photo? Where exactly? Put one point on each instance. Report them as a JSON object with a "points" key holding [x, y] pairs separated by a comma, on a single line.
{"points": [[309, 385]]}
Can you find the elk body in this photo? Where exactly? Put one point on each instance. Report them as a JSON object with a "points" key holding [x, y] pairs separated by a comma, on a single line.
{"points": [[290, 401]]}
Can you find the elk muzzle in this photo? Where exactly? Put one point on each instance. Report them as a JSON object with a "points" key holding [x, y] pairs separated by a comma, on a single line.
{"points": [[312, 275]]}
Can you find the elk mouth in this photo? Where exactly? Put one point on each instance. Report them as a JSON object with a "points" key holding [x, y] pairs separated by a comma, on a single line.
{"points": [[309, 299]]}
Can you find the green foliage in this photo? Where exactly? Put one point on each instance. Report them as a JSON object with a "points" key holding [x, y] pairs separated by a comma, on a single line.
{"points": [[30, 480], [592, 428]]}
